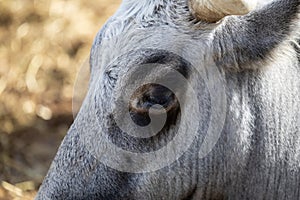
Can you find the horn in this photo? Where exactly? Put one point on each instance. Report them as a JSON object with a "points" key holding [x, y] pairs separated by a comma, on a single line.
{"points": [[214, 10]]}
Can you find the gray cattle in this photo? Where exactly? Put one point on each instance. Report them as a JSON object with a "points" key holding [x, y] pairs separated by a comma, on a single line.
{"points": [[227, 89]]}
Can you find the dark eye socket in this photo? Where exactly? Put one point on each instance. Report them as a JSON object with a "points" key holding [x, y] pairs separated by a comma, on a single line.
{"points": [[150, 95], [158, 95]]}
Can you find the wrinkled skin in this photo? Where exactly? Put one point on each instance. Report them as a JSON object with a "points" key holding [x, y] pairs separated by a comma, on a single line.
{"points": [[257, 154]]}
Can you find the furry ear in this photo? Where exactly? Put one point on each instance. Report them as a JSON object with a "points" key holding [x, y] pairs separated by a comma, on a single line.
{"points": [[214, 10], [241, 41]]}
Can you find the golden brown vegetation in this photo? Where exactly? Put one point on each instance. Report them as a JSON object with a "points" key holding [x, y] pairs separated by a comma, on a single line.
{"points": [[42, 46]]}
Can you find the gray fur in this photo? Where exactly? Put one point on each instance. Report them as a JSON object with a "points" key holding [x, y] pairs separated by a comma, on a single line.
{"points": [[258, 153]]}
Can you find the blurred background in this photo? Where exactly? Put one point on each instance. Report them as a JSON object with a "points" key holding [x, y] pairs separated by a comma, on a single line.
{"points": [[43, 44]]}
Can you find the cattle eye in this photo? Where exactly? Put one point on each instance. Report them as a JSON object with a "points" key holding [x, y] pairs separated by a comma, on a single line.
{"points": [[160, 99]]}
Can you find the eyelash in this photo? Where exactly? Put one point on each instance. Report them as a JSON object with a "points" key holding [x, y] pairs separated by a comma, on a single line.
{"points": [[112, 77]]}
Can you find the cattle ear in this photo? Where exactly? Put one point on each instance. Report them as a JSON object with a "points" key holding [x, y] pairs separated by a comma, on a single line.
{"points": [[247, 41], [214, 10]]}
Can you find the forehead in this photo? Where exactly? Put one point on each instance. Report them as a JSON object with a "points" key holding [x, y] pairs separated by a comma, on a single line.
{"points": [[162, 10], [161, 25], [112, 45]]}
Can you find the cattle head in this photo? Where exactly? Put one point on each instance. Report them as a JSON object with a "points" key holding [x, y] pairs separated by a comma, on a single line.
{"points": [[152, 122]]}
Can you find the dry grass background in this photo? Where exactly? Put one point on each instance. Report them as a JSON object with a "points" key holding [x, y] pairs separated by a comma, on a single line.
{"points": [[42, 46]]}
